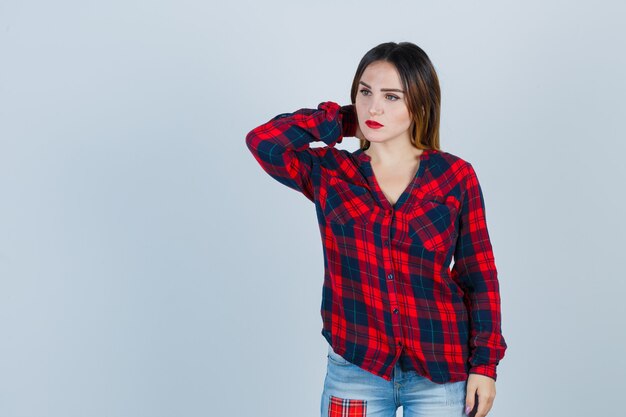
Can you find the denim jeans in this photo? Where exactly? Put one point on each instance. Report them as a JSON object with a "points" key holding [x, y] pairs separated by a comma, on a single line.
{"points": [[354, 392]]}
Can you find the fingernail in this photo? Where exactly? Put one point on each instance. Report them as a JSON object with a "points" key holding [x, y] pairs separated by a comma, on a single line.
{"points": [[467, 409]]}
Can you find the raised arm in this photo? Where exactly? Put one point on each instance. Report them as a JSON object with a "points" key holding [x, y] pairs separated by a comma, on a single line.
{"points": [[281, 146], [475, 270]]}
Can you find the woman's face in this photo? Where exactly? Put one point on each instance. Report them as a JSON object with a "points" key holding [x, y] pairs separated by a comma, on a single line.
{"points": [[380, 98]]}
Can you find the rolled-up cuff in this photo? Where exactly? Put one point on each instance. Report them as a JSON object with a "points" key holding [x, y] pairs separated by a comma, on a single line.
{"points": [[348, 120], [487, 370]]}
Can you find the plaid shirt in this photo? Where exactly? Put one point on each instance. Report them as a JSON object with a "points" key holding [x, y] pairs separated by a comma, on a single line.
{"points": [[388, 293]]}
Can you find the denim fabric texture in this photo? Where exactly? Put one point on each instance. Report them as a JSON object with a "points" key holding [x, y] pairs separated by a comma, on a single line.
{"points": [[354, 391]]}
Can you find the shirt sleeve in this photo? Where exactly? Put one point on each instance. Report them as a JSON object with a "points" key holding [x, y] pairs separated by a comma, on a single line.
{"points": [[281, 146], [475, 270]]}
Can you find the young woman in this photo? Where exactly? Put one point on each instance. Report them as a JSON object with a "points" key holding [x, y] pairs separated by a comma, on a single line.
{"points": [[403, 328]]}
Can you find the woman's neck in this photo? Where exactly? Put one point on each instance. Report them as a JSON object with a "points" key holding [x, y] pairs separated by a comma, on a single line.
{"points": [[385, 154]]}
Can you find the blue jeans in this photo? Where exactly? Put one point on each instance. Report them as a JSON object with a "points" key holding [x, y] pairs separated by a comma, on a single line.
{"points": [[352, 391]]}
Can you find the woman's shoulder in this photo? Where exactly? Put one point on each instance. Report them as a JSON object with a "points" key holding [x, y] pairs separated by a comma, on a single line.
{"points": [[451, 158], [454, 168], [446, 162]]}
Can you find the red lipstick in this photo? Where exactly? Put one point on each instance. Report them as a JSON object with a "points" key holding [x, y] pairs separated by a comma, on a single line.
{"points": [[373, 125]]}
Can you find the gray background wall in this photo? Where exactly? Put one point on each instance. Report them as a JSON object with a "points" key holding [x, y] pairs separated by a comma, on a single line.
{"points": [[148, 267]]}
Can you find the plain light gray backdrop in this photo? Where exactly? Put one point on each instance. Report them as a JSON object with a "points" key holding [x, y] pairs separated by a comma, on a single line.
{"points": [[149, 267]]}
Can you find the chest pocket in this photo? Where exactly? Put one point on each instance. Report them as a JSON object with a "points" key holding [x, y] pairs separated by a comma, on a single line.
{"points": [[347, 202], [432, 223]]}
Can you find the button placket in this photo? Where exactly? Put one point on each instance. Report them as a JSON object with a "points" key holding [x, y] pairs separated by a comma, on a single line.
{"points": [[387, 223]]}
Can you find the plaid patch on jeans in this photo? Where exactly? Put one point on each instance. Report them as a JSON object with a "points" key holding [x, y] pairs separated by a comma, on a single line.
{"points": [[340, 407]]}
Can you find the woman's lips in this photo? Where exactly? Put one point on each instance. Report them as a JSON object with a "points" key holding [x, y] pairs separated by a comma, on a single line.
{"points": [[373, 125]]}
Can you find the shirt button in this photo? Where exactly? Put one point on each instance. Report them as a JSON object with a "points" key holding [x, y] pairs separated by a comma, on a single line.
{"points": [[396, 311], [390, 276], [386, 243]]}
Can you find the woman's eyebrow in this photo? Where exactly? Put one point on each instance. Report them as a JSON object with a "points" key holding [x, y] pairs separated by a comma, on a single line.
{"points": [[383, 89]]}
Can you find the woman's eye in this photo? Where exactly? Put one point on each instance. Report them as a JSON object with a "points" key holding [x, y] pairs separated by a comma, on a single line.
{"points": [[365, 92], [392, 97]]}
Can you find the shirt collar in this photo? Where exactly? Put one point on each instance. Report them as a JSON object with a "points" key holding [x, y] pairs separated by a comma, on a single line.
{"points": [[363, 157]]}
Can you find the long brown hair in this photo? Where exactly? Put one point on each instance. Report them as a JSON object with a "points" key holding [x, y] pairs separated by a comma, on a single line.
{"points": [[420, 81]]}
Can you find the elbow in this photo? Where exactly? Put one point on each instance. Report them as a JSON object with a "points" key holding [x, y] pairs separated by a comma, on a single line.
{"points": [[252, 141]]}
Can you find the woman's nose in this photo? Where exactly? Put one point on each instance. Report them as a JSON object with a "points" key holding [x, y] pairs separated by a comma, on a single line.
{"points": [[375, 107]]}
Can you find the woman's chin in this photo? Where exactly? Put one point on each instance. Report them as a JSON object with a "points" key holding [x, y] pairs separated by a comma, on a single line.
{"points": [[375, 139]]}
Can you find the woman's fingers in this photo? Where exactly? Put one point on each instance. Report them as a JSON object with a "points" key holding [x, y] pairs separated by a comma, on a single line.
{"points": [[469, 399], [483, 388], [485, 402]]}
